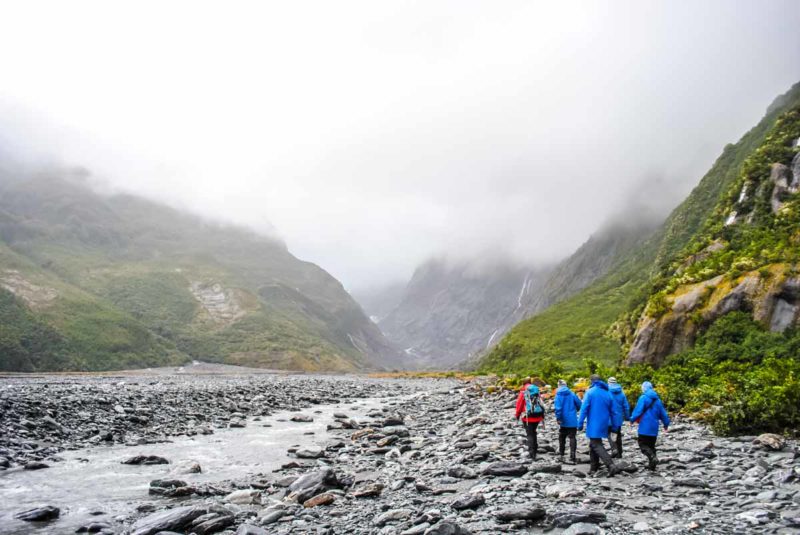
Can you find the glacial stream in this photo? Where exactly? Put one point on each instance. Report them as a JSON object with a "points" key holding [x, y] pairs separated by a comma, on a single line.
{"points": [[93, 480]]}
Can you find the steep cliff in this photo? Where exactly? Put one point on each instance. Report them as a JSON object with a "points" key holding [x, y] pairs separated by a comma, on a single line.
{"points": [[744, 258]]}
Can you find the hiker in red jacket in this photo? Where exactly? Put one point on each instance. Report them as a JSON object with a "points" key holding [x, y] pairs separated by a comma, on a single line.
{"points": [[530, 407]]}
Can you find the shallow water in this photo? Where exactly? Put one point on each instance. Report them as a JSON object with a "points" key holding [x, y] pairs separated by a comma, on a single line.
{"points": [[93, 479]]}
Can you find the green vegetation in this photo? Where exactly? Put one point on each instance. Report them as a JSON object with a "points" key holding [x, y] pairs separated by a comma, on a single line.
{"points": [[101, 283], [738, 376]]}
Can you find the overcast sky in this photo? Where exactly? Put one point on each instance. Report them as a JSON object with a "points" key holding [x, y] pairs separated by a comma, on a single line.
{"points": [[372, 135]]}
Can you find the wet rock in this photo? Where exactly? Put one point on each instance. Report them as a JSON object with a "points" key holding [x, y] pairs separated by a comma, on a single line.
{"points": [[468, 501], [249, 529], [35, 465], [145, 459], [372, 490], [186, 467], [311, 452], [320, 499], [529, 514], [170, 520], [770, 441], [244, 497], [214, 525], [505, 468], [563, 491], [755, 517], [393, 515], [96, 527], [565, 519], [313, 483], [39, 514], [546, 468], [447, 527], [695, 482], [461, 472], [582, 529]]}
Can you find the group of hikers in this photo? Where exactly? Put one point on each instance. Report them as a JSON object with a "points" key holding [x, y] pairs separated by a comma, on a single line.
{"points": [[601, 413]]}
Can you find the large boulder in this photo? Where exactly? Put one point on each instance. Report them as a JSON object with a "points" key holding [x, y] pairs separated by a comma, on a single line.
{"points": [[313, 483], [505, 468], [170, 520]]}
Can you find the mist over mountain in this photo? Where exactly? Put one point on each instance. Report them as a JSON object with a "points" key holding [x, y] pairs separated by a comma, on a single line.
{"points": [[90, 281]]}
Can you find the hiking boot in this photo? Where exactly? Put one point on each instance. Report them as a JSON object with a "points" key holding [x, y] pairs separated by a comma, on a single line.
{"points": [[573, 460], [652, 463]]}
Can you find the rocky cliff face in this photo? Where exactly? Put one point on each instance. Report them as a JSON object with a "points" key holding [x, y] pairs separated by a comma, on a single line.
{"points": [[451, 311], [745, 258]]}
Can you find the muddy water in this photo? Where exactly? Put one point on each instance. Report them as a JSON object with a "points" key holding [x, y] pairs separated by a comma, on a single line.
{"points": [[93, 480]]}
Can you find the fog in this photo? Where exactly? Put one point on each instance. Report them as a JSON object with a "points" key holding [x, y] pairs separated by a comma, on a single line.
{"points": [[370, 136]]}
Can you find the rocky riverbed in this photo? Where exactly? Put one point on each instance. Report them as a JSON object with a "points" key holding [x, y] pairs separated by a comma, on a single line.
{"points": [[413, 457]]}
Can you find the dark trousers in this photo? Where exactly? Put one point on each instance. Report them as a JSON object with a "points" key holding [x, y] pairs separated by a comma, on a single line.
{"points": [[648, 446], [533, 441], [597, 453], [615, 443], [563, 433]]}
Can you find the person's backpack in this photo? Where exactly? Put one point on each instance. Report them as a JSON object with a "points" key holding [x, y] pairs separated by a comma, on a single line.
{"points": [[533, 404]]}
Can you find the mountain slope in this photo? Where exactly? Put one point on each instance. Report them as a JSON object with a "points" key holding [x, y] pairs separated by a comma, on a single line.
{"points": [[452, 310], [599, 322], [118, 281]]}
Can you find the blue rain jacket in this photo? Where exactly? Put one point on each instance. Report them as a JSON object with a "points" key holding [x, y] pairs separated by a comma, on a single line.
{"points": [[566, 407], [649, 411], [598, 411], [623, 407]]}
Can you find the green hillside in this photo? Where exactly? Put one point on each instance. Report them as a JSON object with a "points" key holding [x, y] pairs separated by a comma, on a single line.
{"points": [[599, 321], [94, 282]]}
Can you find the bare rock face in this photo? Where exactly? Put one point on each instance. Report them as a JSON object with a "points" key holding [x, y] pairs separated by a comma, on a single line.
{"points": [[775, 302], [781, 178], [222, 304], [35, 296]]}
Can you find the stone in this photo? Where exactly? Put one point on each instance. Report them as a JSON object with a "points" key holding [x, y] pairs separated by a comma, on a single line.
{"points": [[213, 525], [145, 459], [640, 527], [755, 517], [695, 482], [302, 418], [243, 497], [528, 514], [311, 452], [505, 468], [552, 468], [392, 515], [170, 520], [320, 499], [35, 465], [563, 490], [447, 527], [468, 501], [313, 483], [461, 472], [249, 529], [770, 441], [186, 467], [96, 527], [39, 514], [369, 491], [582, 529], [270, 517], [565, 519]]}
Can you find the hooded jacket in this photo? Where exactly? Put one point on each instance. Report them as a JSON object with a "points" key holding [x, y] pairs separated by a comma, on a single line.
{"points": [[598, 410], [522, 409], [649, 411], [566, 407], [623, 407]]}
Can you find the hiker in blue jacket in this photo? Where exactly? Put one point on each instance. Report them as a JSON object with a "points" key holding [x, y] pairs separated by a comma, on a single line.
{"points": [[648, 413], [598, 410], [566, 407], [624, 410]]}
